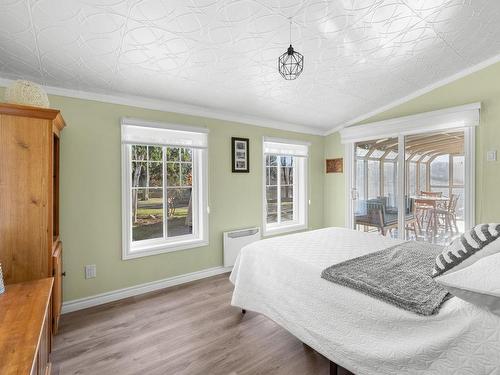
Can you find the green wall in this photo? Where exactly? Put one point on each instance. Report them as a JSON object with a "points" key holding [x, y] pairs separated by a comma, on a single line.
{"points": [[334, 192], [482, 86], [91, 194]]}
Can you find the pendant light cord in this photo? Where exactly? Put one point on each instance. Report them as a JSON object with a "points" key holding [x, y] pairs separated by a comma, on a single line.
{"points": [[290, 30]]}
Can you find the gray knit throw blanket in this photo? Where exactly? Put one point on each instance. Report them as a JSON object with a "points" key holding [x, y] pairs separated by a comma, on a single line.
{"points": [[400, 275]]}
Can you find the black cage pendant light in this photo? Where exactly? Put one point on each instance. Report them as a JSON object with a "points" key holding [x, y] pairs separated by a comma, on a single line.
{"points": [[291, 63]]}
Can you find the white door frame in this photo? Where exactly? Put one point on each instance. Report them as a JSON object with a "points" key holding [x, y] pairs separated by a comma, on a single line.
{"points": [[470, 177], [349, 184], [464, 118]]}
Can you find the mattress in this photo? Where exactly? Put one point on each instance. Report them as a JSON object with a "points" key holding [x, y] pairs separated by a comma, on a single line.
{"points": [[281, 278]]}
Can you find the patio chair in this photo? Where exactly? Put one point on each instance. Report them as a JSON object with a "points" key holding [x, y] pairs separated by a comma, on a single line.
{"points": [[448, 214], [424, 211], [384, 218]]}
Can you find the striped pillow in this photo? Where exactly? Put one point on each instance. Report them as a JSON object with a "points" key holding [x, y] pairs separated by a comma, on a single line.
{"points": [[481, 241]]}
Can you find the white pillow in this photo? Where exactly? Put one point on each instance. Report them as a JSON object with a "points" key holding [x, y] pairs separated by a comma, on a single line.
{"points": [[483, 240], [478, 283]]}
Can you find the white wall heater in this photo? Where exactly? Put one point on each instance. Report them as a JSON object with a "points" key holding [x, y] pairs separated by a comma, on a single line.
{"points": [[235, 240]]}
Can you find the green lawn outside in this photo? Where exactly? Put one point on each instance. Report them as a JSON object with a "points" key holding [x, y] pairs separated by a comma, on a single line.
{"points": [[154, 206]]}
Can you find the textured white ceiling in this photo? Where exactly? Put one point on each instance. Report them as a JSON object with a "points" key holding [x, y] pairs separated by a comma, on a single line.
{"points": [[359, 55]]}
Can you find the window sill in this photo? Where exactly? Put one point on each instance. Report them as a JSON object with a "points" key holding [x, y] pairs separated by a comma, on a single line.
{"points": [[283, 229], [145, 251]]}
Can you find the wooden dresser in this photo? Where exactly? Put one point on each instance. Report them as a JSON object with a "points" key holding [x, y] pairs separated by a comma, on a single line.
{"points": [[29, 197], [25, 337]]}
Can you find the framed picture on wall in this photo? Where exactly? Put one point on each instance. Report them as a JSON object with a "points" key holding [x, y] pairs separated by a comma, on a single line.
{"points": [[240, 151], [334, 165]]}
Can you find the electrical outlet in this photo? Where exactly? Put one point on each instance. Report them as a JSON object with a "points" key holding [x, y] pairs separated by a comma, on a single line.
{"points": [[90, 271], [491, 155]]}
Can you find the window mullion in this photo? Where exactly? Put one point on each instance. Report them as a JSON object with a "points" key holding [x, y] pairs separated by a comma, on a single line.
{"points": [[130, 184], [194, 193], [365, 176], [147, 172], [294, 187], [164, 189], [278, 190], [450, 174]]}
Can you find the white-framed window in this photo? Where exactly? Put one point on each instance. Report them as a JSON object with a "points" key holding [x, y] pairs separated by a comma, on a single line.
{"points": [[284, 185], [164, 188]]}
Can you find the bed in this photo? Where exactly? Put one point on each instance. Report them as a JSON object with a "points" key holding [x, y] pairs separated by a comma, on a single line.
{"points": [[280, 278]]}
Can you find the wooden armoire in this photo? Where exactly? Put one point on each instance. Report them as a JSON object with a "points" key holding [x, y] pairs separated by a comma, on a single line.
{"points": [[30, 247]]}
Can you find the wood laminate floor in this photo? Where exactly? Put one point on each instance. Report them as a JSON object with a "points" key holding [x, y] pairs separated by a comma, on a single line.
{"points": [[187, 330]]}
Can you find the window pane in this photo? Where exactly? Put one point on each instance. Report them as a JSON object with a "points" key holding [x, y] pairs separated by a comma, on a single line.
{"points": [[361, 151], [271, 201], [416, 157], [412, 178], [286, 175], [360, 186], [458, 170], [155, 153], [187, 175], [271, 160], [286, 161], [390, 183], [172, 154], [460, 208], [376, 154], [147, 214], [440, 170], [173, 174], [180, 215], [373, 179], [139, 174], [139, 152], [391, 155], [155, 174], [287, 203], [273, 175], [423, 178], [186, 154]]}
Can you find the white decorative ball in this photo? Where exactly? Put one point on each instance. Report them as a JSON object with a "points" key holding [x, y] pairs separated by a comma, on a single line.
{"points": [[27, 93]]}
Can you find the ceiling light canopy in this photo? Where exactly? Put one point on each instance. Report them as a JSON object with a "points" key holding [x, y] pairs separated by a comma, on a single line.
{"points": [[291, 63]]}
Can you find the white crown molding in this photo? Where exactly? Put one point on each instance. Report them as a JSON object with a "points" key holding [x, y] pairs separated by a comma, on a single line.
{"points": [[443, 119], [425, 90], [115, 295], [193, 110], [176, 107]]}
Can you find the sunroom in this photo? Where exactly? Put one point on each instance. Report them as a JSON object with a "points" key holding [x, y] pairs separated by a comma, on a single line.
{"points": [[434, 184]]}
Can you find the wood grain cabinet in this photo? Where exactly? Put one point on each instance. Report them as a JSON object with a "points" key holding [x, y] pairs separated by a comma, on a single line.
{"points": [[30, 247]]}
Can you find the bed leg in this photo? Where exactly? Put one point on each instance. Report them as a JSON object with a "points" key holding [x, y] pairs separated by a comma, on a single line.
{"points": [[333, 368], [243, 311]]}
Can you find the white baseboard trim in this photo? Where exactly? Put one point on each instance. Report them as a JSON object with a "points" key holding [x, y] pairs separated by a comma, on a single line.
{"points": [[99, 299]]}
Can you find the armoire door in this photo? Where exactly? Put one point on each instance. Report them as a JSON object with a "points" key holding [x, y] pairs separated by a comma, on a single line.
{"points": [[57, 288], [24, 193]]}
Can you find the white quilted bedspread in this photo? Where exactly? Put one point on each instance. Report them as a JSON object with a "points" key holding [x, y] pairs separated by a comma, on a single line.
{"points": [[280, 278]]}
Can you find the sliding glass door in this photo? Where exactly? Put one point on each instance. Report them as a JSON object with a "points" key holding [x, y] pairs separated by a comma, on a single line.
{"points": [[435, 185], [376, 189], [418, 195]]}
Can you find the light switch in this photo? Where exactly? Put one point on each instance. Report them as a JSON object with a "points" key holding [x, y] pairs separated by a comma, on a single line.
{"points": [[491, 155]]}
